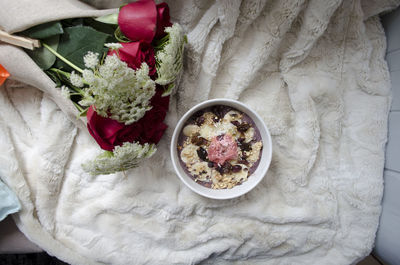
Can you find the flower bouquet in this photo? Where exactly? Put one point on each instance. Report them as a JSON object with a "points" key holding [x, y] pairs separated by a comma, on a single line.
{"points": [[119, 71]]}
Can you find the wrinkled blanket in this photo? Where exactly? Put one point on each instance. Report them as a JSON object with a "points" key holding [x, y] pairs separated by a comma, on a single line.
{"points": [[314, 70]]}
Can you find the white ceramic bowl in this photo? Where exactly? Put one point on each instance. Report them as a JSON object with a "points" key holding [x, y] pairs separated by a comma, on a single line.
{"points": [[254, 178]]}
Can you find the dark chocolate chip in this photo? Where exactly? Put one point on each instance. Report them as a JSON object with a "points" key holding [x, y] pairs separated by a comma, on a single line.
{"points": [[236, 168], [220, 137], [198, 140], [243, 161], [203, 141], [220, 169], [244, 146], [226, 167], [236, 123], [202, 153], [218, 111], [200, 120], [211, 164], [198, 114], [243, 127]]}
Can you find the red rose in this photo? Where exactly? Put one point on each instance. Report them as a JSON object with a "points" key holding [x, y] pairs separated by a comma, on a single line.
{"points": [[137, 20], [158, 100], [143, 20], [109, 133], [135, 53], [163, 19], [152, 122]]}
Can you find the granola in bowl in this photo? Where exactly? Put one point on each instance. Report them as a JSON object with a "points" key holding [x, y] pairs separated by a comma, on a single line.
{"points": [[219, 147]]}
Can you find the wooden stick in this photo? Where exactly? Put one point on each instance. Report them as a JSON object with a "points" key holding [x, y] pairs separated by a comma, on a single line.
{"points": [[23, 42]]}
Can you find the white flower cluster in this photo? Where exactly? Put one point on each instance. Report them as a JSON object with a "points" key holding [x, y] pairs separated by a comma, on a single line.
{"points": [[118, 91], [91, 60], [123, 158], [170, 58], [65, 92], [113, 46], [76, 79]]}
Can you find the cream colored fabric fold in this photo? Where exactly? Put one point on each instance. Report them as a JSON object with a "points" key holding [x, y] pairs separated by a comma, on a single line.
{"points": [[315, 72]]}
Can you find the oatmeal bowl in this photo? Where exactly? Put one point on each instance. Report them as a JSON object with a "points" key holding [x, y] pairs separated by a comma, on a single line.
{"points": [[221, 149]]}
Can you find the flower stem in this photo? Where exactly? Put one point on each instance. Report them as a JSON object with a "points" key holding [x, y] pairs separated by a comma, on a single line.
{"points": [[59, 56], [68, 75], [61, 72], [120, 36], [84, 112], [78, 107]]}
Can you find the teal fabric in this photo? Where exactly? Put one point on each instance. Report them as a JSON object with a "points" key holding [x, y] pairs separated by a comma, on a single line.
{"points": [[8, 201]]}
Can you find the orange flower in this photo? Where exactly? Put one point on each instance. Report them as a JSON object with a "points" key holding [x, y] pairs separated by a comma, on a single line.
{"points": [[3, 74]]}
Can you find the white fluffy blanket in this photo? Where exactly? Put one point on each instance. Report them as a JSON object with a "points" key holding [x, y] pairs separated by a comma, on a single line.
{"points": [[313, 69]]}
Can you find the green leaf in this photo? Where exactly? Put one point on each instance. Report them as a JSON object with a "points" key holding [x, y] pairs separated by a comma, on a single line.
{"points": [[72, 22], [44, 31], [53, 76], [160, 44], [84, 112], [76, 42], [109, 19], [62, 78], [168, 91], [99, 26], [42, 56]]}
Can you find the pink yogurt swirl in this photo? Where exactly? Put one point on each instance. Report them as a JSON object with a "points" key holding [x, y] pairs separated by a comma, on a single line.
{"points": [[222, 148]]}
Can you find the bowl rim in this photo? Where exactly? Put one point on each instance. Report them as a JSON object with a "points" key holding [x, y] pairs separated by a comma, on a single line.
{"points": [[226, 193]]}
